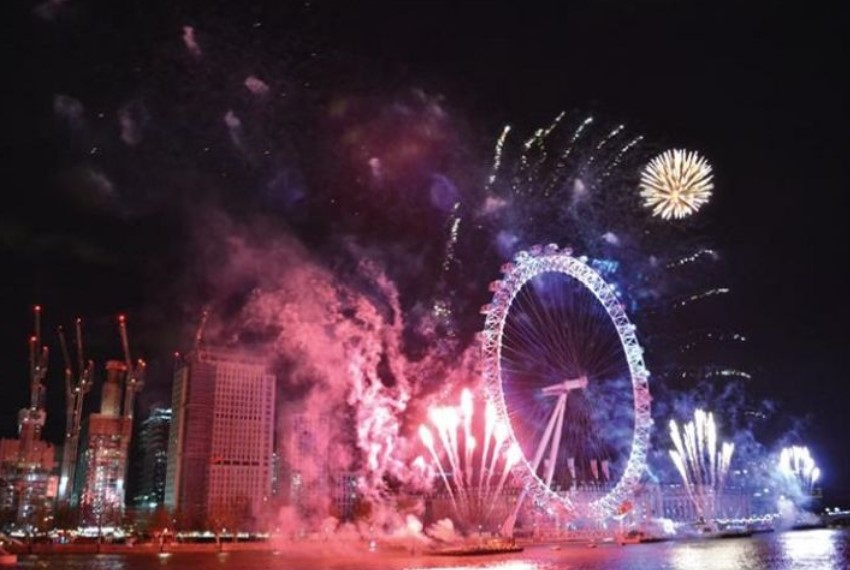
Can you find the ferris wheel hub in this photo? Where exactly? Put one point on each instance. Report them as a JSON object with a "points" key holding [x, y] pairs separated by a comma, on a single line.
{"points": [[565, 387]]}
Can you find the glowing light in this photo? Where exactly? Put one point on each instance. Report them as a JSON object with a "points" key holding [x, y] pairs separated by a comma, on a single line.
{"points": [[497, 158], [705, 252], [426, 437], [798, 466], [477, 477], [704, 295], [702, 467], [676, 183]]}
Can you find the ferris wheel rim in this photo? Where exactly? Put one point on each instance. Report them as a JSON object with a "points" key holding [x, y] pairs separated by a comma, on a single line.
{"points": [[526, 266]]}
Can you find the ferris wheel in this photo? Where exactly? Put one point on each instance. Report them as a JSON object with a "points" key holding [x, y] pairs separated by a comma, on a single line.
{"points": [[564, 369]]}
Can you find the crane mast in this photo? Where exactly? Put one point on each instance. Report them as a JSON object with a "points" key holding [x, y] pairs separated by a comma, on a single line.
{"points": [[31, 419], [135, 373], [202, 325], [75, 392], [38, 365], [31, 475]]}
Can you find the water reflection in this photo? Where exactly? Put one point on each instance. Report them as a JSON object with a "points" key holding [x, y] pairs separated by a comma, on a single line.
{"points": [[815, 549], [808, 549], [733, 554], [501, 565]]}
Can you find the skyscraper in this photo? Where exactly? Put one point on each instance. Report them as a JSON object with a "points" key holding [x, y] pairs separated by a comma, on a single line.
{"points": [[103, 455], [221, 440], [152, 444]]}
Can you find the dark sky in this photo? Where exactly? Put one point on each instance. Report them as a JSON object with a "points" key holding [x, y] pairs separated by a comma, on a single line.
{"points": [[759, 90]]}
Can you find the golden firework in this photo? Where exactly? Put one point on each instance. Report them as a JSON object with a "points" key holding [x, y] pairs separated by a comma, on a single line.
{"points": [[676, 183]]}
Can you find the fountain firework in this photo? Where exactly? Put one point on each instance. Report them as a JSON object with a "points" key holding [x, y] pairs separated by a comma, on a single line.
{"points": [[474, 480], [798, 466], [702, 467]]}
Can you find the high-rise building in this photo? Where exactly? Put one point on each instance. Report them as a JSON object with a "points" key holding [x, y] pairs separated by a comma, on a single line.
{"points": [[221, 440], [305, 477], [27, 481], [102, 465], [152, 444]]}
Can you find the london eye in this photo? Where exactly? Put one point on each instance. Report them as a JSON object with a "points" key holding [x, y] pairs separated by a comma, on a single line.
{"points": [[564, 369]]}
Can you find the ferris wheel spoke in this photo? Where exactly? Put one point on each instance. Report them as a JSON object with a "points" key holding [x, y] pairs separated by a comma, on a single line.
{"points": [[523, 339], [546, 316]]}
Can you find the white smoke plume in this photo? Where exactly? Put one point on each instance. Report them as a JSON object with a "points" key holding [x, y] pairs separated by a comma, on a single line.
{"points": [[49, 9], [335, 339], [132, 119], [256, 85], [69, 109], [190, 42]]}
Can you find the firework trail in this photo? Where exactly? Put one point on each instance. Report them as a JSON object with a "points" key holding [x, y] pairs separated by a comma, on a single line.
{"points": [[469, 482], [497, 157], [702, 467], [799, 468]]}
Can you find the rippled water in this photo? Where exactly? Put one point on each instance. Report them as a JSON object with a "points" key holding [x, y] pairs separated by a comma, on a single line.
{"points": [[810, 549]]}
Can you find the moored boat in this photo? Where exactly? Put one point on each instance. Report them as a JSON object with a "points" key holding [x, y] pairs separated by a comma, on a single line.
{"points": [[481, 548], [638, 537]]}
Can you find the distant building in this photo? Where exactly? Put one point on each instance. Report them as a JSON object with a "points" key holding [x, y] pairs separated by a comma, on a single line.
{"points": [[102, 465], [152, 444], [311, 480], [28, 481], [305, 478], [221, 439], [675, 502]]}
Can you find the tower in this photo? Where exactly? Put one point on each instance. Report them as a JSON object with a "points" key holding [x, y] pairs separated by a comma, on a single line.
{"points": [[152, 443], [104, 455], [221, 440], [27, 463], [102, 467]]}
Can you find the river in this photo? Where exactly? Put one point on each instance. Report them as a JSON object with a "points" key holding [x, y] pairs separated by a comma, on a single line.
{"points": [[817, 549]]}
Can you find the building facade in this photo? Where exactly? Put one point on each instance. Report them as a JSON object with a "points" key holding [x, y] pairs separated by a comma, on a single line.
{"points": [[220, 446], [152, 444], [28, 480], [314, 478], [102, 463]]}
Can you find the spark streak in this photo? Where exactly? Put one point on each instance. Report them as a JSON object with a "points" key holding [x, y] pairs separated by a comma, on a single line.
{"points": [[470, 487], [797, 464], [702, 467]]}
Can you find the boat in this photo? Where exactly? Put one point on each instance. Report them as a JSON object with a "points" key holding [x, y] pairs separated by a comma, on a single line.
{"points": [[481, 548], [639, 537], [734, 531]]}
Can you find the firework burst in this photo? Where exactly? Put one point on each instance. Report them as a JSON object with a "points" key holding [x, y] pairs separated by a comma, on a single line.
{"points": [[702, 466], [676, 183], [797, 464], [473, 480]]}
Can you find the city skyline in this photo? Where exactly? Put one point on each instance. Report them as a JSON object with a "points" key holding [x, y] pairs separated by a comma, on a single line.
{"points": [[118, 221]]}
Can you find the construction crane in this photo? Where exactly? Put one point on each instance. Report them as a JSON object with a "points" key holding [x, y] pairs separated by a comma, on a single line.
{"points": [[135, 374], [31, 418], [75, 392], [30, 473], [202, 325], [38, 365]]}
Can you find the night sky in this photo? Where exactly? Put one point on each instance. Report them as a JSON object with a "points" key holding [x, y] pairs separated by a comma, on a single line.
{"points": [[758, 90]]}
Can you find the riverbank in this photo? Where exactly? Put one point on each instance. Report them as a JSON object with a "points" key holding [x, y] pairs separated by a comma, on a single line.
{"points": [[140, 548]]}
